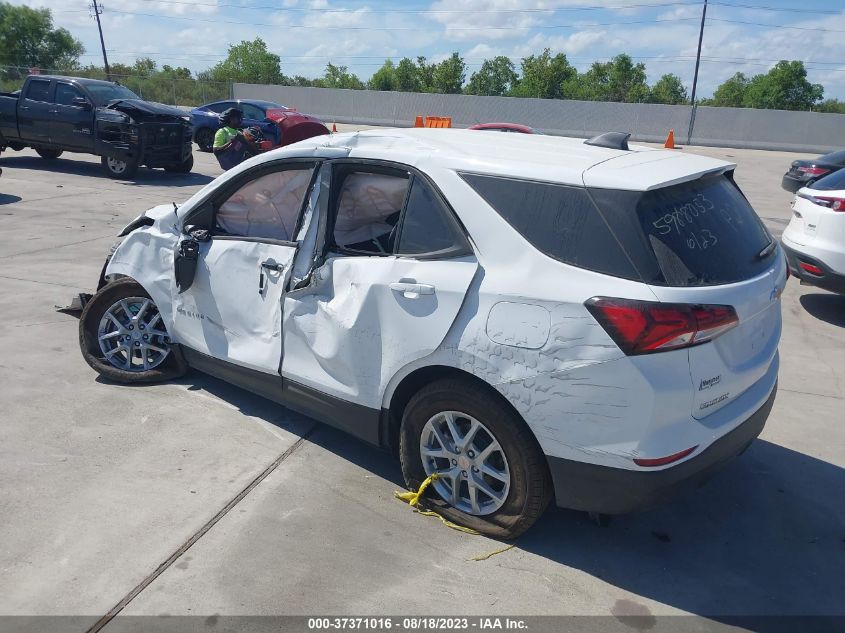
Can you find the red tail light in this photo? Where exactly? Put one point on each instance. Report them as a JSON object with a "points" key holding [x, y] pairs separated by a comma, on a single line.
{"points": [[813, 171], [644, 327], [836, 204]]}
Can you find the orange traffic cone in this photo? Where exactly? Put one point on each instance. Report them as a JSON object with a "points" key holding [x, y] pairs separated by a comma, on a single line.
{"points": [[670, 140], [334, 127], [418, 122]]}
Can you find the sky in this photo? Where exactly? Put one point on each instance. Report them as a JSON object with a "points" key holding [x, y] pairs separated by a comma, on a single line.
{"points": [[746, 36]]}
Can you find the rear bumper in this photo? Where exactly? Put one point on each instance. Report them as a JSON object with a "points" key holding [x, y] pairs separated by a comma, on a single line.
{"points": [[792, 184], [828, 280], [594, 488]]}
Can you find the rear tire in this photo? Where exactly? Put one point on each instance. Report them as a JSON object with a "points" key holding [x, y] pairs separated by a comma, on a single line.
{"points": [[99, 321], [119, 169], [49, 154], [183, 168], [205, 139], [525, 489]]}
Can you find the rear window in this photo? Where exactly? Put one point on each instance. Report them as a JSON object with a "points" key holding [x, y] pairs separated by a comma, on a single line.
{"points": [[832, 182], [697, 233], [693, 234], [837, 158], [559, 220]]}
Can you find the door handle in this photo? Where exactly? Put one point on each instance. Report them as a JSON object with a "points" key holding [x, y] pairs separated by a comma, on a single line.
{"points": [[412, 290], [270, 266]]}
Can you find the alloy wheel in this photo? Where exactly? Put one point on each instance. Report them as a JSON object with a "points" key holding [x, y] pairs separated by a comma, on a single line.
{"points": [[471, 467], [116, 166], [132, 335]]}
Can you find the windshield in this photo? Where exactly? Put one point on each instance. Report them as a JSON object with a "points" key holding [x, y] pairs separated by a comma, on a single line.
{"points": [[103, 93]]}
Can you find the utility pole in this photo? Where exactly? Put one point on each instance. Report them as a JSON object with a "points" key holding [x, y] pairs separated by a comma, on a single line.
{"points": [[695, 75], [97, 11]]}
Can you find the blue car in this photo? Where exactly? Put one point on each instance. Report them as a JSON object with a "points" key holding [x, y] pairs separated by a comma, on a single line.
{"points": [[262, 114]]}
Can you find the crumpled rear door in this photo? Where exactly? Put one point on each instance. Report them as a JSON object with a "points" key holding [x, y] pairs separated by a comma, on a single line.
{"points": [[364, 318]]}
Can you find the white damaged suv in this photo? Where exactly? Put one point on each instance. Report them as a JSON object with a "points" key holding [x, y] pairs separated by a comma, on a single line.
{"points": [[527, 317]]}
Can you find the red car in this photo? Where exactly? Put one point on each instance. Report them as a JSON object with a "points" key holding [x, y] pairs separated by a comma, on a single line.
{"points": [[505, 127]]}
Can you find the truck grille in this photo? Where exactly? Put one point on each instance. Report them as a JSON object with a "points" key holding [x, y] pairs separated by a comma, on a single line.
{"points": [[165, 133]]}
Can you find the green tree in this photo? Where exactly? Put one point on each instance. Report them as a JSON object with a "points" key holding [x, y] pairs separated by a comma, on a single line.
{"points": [[384, 78], [619, 80], [339, 77], [248, 62], [731, 93], [144, 67], [544, 76], [669, 89], [407, 77], [449, 75], [27, 38], [831, 105], [299, 80], [784, 87], [425, 75], [496, 76]]}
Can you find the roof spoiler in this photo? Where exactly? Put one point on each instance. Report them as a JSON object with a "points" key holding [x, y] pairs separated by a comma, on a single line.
{"points": [[611, 140]]}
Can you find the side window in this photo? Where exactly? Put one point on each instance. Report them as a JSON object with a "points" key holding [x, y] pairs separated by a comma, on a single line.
{"points": [[559, 220], [368, 207], [65, 94], [427, 226], [267, 207], [251, 112], [219, 107], [38, 90]]}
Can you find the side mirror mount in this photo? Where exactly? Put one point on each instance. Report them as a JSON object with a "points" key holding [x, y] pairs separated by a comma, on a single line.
{"points": [[82, 102], [185, 263]]}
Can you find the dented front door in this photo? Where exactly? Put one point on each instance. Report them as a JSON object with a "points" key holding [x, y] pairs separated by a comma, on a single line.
{"points": [[232, 310]]}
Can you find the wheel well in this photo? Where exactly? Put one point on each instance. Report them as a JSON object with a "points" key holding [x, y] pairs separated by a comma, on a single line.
{"points": [[418, 379]]}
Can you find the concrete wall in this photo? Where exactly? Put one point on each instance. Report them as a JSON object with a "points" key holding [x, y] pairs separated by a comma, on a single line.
{"points": [[720, 127]]}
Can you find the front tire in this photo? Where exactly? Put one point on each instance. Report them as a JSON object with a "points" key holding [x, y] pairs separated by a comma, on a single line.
{"points": [[182, 168], [119, 168], [123, 338], [205, 139], [492, 475], [49, 154]]}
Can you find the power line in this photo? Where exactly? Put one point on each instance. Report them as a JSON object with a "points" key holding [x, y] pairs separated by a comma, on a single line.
{"points": [[776, 26], [423, 11], [782, 9], [583, 26]]}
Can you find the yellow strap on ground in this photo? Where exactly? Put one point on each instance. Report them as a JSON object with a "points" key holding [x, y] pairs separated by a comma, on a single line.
{"points": [[454, 526], [413, 499], [488, 555]]}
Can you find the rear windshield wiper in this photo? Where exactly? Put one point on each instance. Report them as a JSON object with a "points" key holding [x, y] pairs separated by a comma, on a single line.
{"points": [[767, 251]]}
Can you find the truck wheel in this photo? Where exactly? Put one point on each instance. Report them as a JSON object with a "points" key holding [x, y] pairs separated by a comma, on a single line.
{"points": [[492, 476], [205, 139], [119, 168], [123, 338], [183, 168], [49, 154]]}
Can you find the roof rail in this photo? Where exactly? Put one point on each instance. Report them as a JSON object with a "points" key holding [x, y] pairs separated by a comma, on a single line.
{"points": [[612, 140]]}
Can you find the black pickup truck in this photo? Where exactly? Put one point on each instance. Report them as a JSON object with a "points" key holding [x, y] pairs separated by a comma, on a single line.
{"points": [[57, 114]]}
